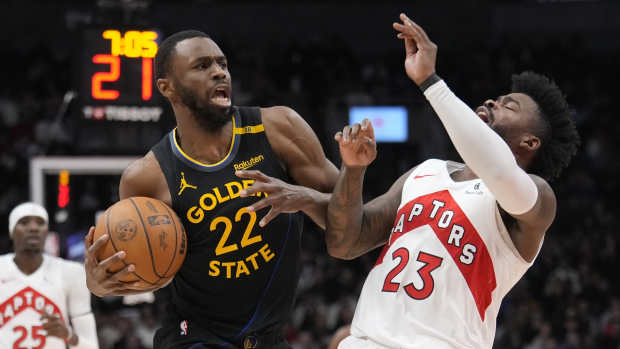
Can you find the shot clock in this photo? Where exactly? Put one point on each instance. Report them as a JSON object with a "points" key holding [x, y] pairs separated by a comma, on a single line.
{"points": [[116, 78]]}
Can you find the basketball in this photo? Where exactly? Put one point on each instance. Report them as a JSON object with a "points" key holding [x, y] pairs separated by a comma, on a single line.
{"points": [[150, 233]]}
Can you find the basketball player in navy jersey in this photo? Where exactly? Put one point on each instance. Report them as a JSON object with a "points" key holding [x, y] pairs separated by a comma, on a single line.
{"points": [[457, 236], [237, 284]]}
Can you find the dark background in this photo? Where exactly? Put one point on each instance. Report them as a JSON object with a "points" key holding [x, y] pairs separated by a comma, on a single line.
{"points": [[320, 58]]}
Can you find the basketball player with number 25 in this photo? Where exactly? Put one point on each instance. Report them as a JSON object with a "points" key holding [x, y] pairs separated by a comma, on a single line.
{"points": [[44, 302], [457, 236]]}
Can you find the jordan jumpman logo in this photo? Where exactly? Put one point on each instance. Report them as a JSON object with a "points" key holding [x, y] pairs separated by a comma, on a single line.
{"points": [[184, 184]]}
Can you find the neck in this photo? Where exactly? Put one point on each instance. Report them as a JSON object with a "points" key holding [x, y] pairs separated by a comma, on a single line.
{"points": [[462, 172], [201, 144], [28, 262]]}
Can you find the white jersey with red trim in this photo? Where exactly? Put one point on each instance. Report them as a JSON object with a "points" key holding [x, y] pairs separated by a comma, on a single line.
{"points": [[440, 280], [54, 288]]}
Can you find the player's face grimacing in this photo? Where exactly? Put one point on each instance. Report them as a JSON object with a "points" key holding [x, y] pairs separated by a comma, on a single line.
{"points": [[29, 234], [202, 80], [511, 116]]}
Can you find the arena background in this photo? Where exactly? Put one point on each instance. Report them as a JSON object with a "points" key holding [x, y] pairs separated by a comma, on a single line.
{"points": [[321, 58]]}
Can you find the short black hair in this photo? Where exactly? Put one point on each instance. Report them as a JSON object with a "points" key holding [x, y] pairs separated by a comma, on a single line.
{"points": [[164, 53], [557, 131]]}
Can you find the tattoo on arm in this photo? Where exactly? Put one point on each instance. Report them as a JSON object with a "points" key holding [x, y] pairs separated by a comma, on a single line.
{"points": [[354, 229], [377, 222], [344, 216]]}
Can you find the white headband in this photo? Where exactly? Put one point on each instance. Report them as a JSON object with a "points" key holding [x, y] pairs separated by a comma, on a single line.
{"points": [[24, 210]]}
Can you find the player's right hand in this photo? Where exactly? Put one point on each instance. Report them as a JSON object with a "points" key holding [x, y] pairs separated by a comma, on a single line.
{"points": [[358, 147], [99, 280]]}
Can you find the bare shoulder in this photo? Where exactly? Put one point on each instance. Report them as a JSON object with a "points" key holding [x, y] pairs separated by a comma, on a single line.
{"points": [[141, 169], [546, 205], [278, 128], [281, 119], [540, 217], [298, 148], [144, 177]]}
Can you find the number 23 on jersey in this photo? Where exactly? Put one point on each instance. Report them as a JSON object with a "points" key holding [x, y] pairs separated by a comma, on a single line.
{"points": [[431, 262]]}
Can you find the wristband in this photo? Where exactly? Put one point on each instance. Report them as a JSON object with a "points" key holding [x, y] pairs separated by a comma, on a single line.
{"points": [[430, 81]]}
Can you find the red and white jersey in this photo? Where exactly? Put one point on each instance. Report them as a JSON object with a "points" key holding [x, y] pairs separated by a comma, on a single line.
{"points": [[440, 280], [57, 287]]}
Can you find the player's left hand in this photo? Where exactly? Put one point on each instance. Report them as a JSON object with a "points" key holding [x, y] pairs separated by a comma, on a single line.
{"points": [[282, 197], [421, 52], [55, 326]]}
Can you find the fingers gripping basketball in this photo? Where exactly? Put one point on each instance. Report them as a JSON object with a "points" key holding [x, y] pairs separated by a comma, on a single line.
{"points": [[151, 235]]}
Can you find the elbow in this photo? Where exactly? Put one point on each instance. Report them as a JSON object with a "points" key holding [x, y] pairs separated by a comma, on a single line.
{"points": [[339, 253], [336, 248]]}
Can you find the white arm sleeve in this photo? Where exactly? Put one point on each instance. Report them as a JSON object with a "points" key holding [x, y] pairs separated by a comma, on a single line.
{"points": [[82, 318], [84, 327], [484, 151]]}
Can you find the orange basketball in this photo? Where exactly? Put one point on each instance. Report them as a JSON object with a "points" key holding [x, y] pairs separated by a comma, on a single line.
{"points": [[150, 233]]}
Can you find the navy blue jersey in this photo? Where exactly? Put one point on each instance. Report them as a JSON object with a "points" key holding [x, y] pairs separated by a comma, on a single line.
{"points": [[237, 278]]}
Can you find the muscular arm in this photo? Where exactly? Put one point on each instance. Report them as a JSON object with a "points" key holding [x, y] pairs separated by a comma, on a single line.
{"points": [[531, 226], [303, 158], [353, 228], [144, 177], [84, 332]]}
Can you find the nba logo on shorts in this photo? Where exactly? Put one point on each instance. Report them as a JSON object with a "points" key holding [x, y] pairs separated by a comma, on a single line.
{"points": [[183, 326]]}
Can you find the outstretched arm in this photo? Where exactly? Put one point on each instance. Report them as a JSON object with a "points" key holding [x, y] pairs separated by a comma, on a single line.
{"points": [[527, 198], [352, 227], [302, 156]]}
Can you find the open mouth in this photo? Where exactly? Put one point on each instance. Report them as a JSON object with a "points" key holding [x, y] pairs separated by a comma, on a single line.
{"points": [[221, 96], [484, 114]]}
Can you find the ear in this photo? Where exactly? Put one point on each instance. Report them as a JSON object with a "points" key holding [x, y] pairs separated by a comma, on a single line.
{"points": [[530, 142], [165, 87]]}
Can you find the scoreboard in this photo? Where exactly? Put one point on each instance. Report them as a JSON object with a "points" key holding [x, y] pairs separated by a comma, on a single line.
{"points": [[116, 75]]}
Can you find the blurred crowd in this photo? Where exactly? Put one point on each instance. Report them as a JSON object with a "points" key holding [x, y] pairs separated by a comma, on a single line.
{"points": [[570, 298]]}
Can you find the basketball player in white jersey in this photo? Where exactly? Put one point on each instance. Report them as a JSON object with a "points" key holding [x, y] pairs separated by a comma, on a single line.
{"points": [[458, 236], [44, 302]]}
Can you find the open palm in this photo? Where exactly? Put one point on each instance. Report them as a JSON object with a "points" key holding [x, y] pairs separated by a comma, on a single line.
{"points": [[420, 51], [357, 144]]}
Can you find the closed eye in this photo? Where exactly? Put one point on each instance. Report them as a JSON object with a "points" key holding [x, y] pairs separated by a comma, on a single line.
{"points": [[511, 106], [509, 103]]}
